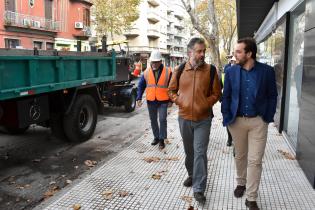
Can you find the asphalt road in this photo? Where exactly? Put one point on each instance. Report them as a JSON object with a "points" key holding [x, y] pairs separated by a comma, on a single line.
{"points": [[34, 166]]}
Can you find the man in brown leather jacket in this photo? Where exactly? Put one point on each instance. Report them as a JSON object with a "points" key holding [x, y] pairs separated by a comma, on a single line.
{"points": [[195, 97]]}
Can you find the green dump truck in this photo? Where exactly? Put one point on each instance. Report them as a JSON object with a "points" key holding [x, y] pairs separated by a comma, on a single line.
{"points": [[61, 90]]}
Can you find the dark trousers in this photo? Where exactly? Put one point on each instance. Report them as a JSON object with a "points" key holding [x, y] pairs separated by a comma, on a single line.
{"points": [[158, 112]]}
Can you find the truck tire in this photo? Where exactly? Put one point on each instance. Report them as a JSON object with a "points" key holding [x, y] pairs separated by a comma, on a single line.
{"points": [[130, 103], [79, 124], [16, 130]]}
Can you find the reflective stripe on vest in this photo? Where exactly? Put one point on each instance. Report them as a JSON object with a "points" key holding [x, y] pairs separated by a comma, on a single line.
{"points": [[157, 90]]}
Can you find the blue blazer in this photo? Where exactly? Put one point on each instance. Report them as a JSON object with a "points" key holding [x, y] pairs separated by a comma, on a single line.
{"points": [[266, 93]]}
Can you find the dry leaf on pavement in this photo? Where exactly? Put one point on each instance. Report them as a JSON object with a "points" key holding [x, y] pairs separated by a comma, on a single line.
{"points": [[51, 192], [90, 163], [156, 176], [76, 206], [123, 193], [187, 198], [286, 155], [108, 194], [151, 159], [172, 158], [166, 141]]}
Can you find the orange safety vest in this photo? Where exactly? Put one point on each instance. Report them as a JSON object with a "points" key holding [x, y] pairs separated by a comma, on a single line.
{"points": [[157, 90]]}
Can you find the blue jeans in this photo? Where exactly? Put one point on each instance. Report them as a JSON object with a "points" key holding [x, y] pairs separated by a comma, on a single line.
{"points": [[196, 136], [158, 110]]}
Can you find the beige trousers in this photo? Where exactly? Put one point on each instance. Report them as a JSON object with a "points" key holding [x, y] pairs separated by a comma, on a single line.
{"points": [[249, 137]]}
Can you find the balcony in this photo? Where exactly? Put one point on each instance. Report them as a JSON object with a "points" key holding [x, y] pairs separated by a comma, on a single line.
{"points": [[88, 2], [133, 32], [153, 33], [179, 15], [179, 34], [178, 25], [84, 34], [170, 42], [153, 16], [179, 54], [154, 3], [32, 22]]}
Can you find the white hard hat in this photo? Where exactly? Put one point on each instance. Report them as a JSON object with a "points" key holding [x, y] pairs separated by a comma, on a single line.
{"points": [[155, 56]]}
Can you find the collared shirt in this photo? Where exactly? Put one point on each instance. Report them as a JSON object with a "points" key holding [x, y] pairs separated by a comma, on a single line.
{"points": [[247, 100]]}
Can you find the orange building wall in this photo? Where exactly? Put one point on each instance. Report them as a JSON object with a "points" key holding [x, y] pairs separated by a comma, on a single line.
{"points": [[66, 11]]}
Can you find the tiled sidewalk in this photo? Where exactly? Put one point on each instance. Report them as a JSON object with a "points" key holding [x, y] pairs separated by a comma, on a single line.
{"points": [[283, 184]]}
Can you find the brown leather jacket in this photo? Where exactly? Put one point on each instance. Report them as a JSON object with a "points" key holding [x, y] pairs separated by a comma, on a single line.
{"points": [[194, 96]]}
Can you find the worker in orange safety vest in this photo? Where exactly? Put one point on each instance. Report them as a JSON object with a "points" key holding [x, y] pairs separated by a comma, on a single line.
{"points": [[154, 82]]}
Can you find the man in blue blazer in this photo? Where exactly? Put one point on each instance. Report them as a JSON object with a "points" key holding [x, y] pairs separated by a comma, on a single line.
{"points": [[248, 104]]}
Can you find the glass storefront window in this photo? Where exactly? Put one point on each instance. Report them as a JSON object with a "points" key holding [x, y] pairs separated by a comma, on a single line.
{"points": [[294, 76]]}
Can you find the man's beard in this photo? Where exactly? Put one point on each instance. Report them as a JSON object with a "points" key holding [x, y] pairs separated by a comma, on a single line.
{"points": [[200, 62]]}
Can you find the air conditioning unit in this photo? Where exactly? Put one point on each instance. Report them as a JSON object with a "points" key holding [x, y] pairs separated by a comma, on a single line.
{"points": [[78, 25], [26, 22], [36, 24]]}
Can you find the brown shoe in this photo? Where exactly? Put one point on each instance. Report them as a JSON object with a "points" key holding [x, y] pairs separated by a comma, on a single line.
{"points": [[252, 205], [239, 191]]}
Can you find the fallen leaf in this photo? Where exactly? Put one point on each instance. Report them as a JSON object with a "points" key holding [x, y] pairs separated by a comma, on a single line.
{"points": [[156, 176], [90, 163], [51, 192], [108, 194], [151, 159], [286, 155], [187, 198], [76, 206], [172, 158], [123, 193], [166, 141]]}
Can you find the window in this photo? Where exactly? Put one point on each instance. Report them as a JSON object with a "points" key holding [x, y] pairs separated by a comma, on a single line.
{"points": [[38, 45], [86, 17], [11, 43], [49, 46]]}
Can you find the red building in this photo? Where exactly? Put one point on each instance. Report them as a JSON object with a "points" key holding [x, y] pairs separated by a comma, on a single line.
{"points": [[45, 24]]}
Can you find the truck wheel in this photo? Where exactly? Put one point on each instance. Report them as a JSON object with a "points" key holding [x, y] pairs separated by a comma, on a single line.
{"points": [[15, 130], [130, 103], [80, 123]]}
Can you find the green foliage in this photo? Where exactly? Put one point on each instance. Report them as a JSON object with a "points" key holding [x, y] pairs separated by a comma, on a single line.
{"points": [[114, 16]]}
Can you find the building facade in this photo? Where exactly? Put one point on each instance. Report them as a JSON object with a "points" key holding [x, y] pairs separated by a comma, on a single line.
{"points": [[285, 33], [160, 26], [45, 24]]}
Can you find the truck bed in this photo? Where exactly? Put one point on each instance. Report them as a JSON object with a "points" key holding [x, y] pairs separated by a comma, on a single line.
{"points": [[24, 74]]}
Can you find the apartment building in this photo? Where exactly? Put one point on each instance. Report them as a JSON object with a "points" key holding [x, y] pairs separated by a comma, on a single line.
{"points": [[177, 32], [45, 24], [160, 26]]}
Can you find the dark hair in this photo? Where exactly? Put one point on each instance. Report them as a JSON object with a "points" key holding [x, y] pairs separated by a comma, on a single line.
{"points": [[195, 40], [250, 45]]}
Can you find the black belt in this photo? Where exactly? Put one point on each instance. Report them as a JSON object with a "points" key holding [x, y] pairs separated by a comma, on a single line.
{"points": [[247, 116]]}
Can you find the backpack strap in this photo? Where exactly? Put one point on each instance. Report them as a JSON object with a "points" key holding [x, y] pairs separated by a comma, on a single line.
{"points": [[179, 72], [212, 73]]}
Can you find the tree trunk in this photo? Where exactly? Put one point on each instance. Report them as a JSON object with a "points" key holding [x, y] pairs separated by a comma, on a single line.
{"points": [[212, 36]]}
